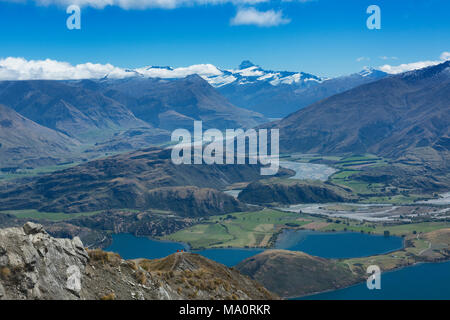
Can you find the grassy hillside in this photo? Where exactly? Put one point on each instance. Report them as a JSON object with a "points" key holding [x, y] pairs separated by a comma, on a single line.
{"points": [[290, 273], [138, 180], [242, 229], [293, 274], [293, 191]]}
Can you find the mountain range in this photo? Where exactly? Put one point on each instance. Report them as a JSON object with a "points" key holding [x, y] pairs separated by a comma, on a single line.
{"points": [[138, 180], [275, 94], [71, 108], [387, 117], [171, 104], [23, 141], [50, 117], [77, 108]]}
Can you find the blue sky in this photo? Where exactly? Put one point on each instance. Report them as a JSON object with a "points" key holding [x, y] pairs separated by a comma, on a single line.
{"points": [[323, 37]]}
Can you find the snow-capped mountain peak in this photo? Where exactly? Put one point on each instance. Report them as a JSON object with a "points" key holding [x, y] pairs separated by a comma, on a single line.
{"points": [[366, 71], [246, 64], [249, 73], [246, 73]]}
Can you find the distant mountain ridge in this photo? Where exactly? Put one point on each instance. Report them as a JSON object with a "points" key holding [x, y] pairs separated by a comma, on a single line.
{"points": [[114, 115], [247, 72], [273, 93], [279, 94], [138, 180], [386, 117], [22, 141], [177, 103], [67, 107]]}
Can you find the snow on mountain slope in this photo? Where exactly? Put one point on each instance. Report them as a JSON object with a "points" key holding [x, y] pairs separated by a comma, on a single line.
{"points": [[247, 73]]}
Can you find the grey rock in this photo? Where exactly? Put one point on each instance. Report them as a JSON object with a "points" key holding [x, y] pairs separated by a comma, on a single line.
{"points": [[77, 243], [32, 228], [44, 267], [73, 279]]}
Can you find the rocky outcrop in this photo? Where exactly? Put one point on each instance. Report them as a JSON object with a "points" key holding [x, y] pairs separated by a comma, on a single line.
{"points": [[34, 265]]}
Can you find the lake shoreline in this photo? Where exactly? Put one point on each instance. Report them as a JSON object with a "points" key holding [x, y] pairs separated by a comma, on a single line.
{"points": [[240, 254], [417, 263]]}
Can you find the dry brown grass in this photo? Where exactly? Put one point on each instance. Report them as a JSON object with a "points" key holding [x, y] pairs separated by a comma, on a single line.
{"points": [[5, 273], [103, 257], [193, 295], [132, 265], [164, 264], [440, 236], [109, 296], [141, 277]]}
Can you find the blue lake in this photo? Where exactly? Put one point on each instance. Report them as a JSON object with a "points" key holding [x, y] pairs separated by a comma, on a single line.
{"points": [[131, 247], [327, 245], [337, 245], [422, 281], [419, 282]]}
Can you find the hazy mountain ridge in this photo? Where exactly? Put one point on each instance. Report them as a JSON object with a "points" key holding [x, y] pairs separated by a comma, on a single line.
{"points": [[140, 180], [66, 107], [116, 115], [22, 141], [170, 104], [284, 97], [272, 93], [386, 117]]}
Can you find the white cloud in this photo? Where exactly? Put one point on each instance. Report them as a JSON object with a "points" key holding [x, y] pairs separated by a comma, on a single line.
{"points": [[204, 70], [21, 69], [388, 58], [414, 65], [12, 68], [407, 66], [251, 16], [362, 59], [445, 56]]}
